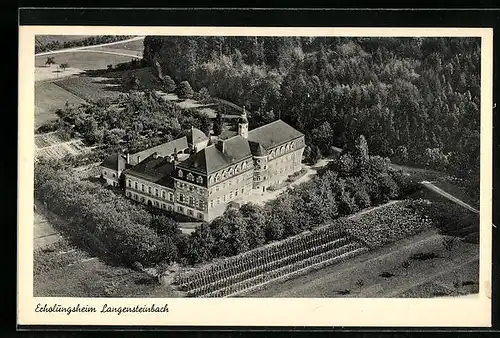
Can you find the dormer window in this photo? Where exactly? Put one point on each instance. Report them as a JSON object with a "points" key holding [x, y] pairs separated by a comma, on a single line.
{"points": [[190, 177], [211, 179], [237, 169], [199, 180], [231, 172], [180, 173], [292, 145], [244, 165], [282, 149], [224, 174]]}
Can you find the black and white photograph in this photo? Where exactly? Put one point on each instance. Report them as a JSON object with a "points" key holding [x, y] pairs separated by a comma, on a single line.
{"points": [[256, 166]]}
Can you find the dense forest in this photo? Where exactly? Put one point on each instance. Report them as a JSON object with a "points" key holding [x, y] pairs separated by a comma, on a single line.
{"points": [[416, 100]]}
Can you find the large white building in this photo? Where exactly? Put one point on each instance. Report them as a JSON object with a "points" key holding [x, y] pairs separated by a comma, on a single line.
{"points": [[192, 177]]}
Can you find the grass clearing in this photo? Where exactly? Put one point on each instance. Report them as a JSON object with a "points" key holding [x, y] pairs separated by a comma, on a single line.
{"points": [[45, 39], [48, 98]]}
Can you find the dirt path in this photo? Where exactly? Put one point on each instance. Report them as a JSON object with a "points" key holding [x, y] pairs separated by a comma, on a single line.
{"points": [[448, 196], [76, 49]]}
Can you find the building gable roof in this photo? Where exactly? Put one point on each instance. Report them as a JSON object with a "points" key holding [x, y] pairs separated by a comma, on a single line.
{"points": [[273, 134]]}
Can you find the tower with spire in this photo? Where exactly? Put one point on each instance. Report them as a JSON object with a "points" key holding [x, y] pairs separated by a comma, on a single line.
{"points": [[243, 124]]}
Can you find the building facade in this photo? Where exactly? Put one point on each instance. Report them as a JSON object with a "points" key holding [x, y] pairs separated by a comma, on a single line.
{"points": [[197, 179]]}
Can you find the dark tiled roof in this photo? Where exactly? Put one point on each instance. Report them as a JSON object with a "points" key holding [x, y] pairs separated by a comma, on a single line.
{"points": [[116, 162], [257, 149], [156, 170], [162, 149], [273, 134], [211, 159]]}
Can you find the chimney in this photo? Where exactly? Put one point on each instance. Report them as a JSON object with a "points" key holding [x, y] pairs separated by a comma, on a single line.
{"points": [[155, 155], [220, 145], [138, 159], [128, 158]]}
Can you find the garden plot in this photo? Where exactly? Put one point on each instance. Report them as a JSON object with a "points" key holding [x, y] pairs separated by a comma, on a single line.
{"points": [[51, 146]]}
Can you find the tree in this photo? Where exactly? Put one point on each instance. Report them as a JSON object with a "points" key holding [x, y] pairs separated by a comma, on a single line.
{"points": [[217, 127], [184, 90], [168, 84], [63, 66]]}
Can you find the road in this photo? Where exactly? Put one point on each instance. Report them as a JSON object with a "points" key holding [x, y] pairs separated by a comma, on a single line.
{"points": [[76, 49]]}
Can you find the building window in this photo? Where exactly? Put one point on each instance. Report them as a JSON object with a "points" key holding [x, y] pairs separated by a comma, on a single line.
{"points": [[237, 169], [224, 174], [199, 180], [242, 190], [190, 177], [218, 200], [142, 187], [225, 198], [217, 178], [244, 165], [190, 212], [129, 184], [200, 215], [211, 204], [171, 196], [169, 207], [229, 183], [163, 194], [230, 172], [180, 209], [211, 179], [292, 145], [128, 193], [135, 185], [230, 195], [156, 204], [156, 192], [105, 173], [149, 190], [180, 173], [235, 193], [142, 198], [217, 188], [191, 200], [114, 175]]}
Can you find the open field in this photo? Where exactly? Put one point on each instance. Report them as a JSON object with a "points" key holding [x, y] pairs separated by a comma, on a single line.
{"points": [[48, 98], [84, 60], [134, 45], [103, 85]]}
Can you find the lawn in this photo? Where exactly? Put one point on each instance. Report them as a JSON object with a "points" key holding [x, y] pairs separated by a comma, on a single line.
{"points": [[48, 98], [44, 39], [84, 60]]}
